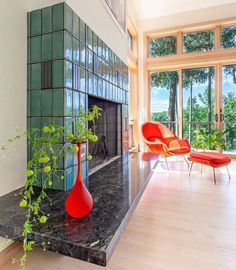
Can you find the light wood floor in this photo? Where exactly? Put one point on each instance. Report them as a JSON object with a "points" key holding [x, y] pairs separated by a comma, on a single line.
{"points": [[181, 223]]}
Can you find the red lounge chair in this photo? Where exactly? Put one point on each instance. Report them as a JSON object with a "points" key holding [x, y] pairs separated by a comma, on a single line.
{"points": [[159, 139]]}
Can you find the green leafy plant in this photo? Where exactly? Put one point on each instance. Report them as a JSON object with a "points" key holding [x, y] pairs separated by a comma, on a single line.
{"points": [[213, 140], [44, 164]]}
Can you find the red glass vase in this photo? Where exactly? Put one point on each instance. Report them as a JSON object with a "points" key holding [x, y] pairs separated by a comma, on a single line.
{"points": [[79, 202]]}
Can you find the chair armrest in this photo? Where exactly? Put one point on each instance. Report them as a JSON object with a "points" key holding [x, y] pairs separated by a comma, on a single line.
{"points": [[156, 143]]}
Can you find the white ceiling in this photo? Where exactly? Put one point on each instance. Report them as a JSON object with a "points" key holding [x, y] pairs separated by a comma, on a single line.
{"points": [[147, 9]]}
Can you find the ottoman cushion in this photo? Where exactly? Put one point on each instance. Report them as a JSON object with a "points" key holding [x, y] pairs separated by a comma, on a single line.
{"points": [[214, 158]]}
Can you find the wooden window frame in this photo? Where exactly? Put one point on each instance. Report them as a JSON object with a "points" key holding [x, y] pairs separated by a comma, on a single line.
{"points": [[216, 58]]}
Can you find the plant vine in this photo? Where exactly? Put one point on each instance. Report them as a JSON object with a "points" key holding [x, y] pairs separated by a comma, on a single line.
{"points": [[43, 166]]}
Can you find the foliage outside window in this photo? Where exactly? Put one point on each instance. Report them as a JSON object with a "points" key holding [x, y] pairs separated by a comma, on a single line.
{"points": [[229, 105], [198, 101], [163, 46], [164, 98], [198, 41], [228, 37]]}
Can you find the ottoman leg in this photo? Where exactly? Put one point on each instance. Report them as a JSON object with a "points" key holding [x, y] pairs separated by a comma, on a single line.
{"points": [[228, 172], [190, 168], [214, 176]]}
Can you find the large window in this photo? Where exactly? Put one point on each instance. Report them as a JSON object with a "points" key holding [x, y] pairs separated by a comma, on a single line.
{"points": [[229, 105], [198, 100], [195, 86], [198, 41], [164, 98], [163, 46], [228, 37]]}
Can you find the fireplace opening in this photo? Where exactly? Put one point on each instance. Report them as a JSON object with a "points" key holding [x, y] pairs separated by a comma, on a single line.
{"points": [[108, 130]]}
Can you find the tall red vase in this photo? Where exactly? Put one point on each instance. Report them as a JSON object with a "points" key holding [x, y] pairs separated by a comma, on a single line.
{"points": [[79, 202]]}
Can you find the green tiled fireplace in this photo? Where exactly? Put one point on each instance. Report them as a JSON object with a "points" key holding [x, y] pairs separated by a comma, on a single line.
{"points": [[67, 62]]}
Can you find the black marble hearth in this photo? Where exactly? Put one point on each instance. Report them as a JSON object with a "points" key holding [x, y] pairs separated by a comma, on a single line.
{"points": [[116, 190]]}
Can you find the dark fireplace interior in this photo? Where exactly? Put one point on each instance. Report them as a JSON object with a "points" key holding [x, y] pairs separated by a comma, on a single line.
{"points": [[108, 129]]}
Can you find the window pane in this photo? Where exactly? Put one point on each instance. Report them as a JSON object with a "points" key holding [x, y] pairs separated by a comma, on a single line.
{"points": [[198, 41], [228, 37], [130, 40], [164, 98], [163, 46], [198, 101], [229, 105]]}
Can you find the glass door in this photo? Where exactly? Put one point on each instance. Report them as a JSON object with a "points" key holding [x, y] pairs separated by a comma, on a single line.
{"points": [[198, 101], [164, 99], [228, 107]]}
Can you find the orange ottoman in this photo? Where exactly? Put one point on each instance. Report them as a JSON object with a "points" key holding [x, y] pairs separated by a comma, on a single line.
{"points": [[212, 159]]}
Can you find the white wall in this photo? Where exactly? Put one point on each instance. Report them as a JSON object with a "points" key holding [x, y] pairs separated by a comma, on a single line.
{"points": [[13, 62]]}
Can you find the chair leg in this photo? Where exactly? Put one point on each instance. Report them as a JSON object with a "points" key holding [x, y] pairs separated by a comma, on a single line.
{"points": [[214, 176], [190, 169], [167, 164], [201, 168], [228, 173], [186, 160]]}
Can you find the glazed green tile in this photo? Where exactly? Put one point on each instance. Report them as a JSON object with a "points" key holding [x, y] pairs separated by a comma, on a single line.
{"points": [[58, 17], [35, 103], [35, 49], [35, 23], [75, 25], [58, 102], [68, 17], [35, 80], [58, 73], [95, 42], [82, 31], [28, 76], [47, 102], [58, 181], [28, 50], [58, 48], [68, 124], [82, 83], [68, 45], [46, 121], [82, 104], [84, 171], [28, 24], [68, 102], [89, 38], [28, 103], [69, 179], [83, 149], [82, 56], [75, 103], [68, 158], [47, 47], [68, 74], [58, 121], [47, 20], [75, 51], [35, 122]]}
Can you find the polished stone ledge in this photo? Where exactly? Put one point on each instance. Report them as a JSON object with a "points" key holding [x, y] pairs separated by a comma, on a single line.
{"points": [[116, 190]]}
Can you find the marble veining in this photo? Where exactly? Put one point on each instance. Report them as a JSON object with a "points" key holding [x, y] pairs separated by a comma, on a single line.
{"points": [[116, 190]]}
